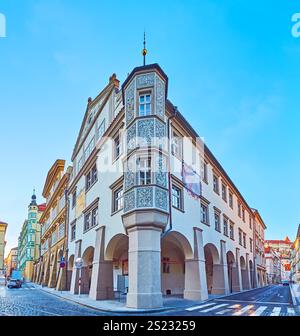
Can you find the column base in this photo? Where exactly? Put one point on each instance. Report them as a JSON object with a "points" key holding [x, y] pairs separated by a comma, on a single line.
{"points": [[144, 300], [195, 295]]}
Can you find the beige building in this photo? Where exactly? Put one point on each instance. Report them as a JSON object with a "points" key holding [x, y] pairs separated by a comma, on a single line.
{"points": [[152, 211], [54, 233], [11, 261], [295, 264], [3, 227]]}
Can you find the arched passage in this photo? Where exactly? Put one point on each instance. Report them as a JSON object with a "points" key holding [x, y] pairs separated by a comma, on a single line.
{"points": [[233, 279], [214, 272], [175, 250], [244, 273], [86, 271], [117, 252]]}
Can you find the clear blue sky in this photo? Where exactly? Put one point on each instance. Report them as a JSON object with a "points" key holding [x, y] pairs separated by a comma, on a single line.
{"points": [[234, 71]]}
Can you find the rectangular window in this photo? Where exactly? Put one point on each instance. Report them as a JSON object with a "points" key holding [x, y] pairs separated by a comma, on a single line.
{"points": [[176, 197], [231, 231], [244, 240], [251, 242], [217, 221], [239, 210], [145, 105], [250, 222], [117, 147], [205, 177], [118, 200], [73, 231], [240, 237], [243, 214], [89, 148], [225, 226], [94, 174], [230, 199], [145, 171], [204, 214], [95, 217], [74, 199], [177, 145], [224, 192], [88, 181], [87, 221], [216, 184]]}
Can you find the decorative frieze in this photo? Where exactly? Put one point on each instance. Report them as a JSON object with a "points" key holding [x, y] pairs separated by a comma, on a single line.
{"points": [[129, 201], [144, 197], [160, 98], [161, 199], [146, 80], [129, 100]]}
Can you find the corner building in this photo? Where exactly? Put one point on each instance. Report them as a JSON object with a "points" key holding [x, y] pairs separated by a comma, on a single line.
{"points": [[137, 222]]}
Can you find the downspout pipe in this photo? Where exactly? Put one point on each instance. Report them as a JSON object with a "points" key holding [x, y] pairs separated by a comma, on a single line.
{"points": [[169, 172]]}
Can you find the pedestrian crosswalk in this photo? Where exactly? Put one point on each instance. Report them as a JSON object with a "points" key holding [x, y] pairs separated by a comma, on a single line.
{"points": [[254, 309]]}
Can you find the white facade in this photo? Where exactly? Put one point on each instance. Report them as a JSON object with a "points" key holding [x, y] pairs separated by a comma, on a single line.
{"points": [[146, 234]]}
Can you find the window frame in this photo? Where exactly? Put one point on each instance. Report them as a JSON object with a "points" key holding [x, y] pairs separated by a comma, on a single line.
{"points": [[180, 196]]}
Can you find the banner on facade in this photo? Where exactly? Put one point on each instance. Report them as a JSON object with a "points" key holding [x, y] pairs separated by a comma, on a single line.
{"points": [[191, 180]]}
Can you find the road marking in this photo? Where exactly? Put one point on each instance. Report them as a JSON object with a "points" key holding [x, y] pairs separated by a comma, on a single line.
{"points": [[243, 310], [276, 311], [259, 311], [236, 306], [291, 311], [198, 307], [222, 312], [214, 308], [256, 302]]}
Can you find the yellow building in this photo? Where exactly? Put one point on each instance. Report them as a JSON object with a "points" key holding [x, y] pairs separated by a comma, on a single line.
{"points": [[3, 227], [54, 230], [11, 261]]}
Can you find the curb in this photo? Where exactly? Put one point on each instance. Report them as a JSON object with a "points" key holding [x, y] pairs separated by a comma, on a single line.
{"points": [[295, 301], [140, 311]]}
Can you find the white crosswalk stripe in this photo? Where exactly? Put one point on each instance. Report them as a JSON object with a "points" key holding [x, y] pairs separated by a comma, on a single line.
{"points": [[224, 311], [214, 308], [243, 310], [199, 307], [276, 311], [291, 312], [259, 311]]}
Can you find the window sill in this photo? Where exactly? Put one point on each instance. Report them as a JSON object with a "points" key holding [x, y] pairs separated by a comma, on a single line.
{"points": [[181, 210], [115, 212], [91, 186], [89, 229], [207, 224]]}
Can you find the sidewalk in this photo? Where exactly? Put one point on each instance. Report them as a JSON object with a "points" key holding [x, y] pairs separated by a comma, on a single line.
{"points": [[295, 291]]}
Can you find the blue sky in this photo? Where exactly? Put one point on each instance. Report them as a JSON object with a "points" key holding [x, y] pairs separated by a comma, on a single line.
{"points": [[233, 70]]}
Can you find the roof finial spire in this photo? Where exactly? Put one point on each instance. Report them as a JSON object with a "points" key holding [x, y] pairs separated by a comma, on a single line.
{"points": [[144, 52]]}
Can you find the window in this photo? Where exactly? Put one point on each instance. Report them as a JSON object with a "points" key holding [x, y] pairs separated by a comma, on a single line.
{"points": [[88, 181], [250, 222], [231, 231], [205, 179], [145, 171], [225, 226], [243, 214], [89, 148], [87, 221], [239, 210], [101, 129], [117, 147], [230, 197], [240, 237], [204, 214], [145, 105], [118, 199], [80, 164], [224, 192], [95, 217], [216, 184], [251, 244], [217, 221], [176, 197], [177, 145], [94, 174], [73, 231], [74, 199], [244, 240]]}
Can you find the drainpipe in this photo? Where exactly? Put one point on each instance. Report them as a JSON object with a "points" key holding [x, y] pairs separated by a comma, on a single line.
{"points": [[169, 172]]}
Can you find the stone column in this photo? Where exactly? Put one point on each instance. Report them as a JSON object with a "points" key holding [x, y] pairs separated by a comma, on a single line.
{"points": [[102, 274], [221, 281], [248, 271], [75, 274], [144, 263], [53, 268], [195, 275], [238, 268]]}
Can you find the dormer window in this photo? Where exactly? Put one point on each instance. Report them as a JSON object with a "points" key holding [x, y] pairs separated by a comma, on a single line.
{"points": [[145, 105]]}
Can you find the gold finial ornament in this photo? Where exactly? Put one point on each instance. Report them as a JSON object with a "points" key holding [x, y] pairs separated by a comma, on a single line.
{"points": [[145, 51]]}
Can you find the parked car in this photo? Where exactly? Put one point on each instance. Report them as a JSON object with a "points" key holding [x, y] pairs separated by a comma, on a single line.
{"points": [[285, 283], [14, 283]]}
